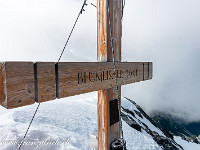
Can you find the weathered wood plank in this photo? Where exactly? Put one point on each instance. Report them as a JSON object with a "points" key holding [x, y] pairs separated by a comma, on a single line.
{"points": [[146, 71], [78, 78], [2, 84], [150, 70], [46, 81], [104, 49], [107, 133], [18, 87], [17, 84]]}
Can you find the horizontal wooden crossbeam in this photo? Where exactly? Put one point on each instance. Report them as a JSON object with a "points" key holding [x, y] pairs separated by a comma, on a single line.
{"points": [[24, 83]]}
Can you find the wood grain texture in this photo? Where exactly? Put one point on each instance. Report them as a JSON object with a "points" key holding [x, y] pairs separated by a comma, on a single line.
{"points": [[104, 50], [18, 84], [46, 81], [18, 87], [145, 70], [107, 133], [78, 78], [150, 70], [2, 85]]}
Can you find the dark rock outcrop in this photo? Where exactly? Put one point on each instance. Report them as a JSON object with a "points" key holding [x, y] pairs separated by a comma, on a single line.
{"points": [[166, 143], [165, 140], [131, 122], [177, 126]]}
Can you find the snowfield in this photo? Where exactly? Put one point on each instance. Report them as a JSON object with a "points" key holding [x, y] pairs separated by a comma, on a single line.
{"points": [[187, 145], [138, 141], [69, 122], [66, 124]]}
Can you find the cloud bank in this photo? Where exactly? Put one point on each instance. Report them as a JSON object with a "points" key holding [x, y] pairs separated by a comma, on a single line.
{"points": [[164, 32]]}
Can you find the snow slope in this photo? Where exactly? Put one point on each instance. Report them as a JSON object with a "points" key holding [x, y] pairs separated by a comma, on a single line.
{"points": [[66, 122], [138, 119], [187, 145], [69, 121]]}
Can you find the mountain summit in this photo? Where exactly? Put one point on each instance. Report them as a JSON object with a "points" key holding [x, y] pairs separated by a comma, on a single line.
{"points": [[67, 124]]}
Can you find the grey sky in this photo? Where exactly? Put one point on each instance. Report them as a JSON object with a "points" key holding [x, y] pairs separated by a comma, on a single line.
{"points": [[165, 32]]}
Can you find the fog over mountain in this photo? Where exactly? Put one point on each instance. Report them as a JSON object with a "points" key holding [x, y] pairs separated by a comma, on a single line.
{"points": [[164, 32]]}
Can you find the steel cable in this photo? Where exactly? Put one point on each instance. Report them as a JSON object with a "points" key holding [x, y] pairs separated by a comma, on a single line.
{"points": [[81, 11]]}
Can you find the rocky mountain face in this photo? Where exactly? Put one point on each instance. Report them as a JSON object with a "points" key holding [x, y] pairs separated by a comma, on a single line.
{"points": [[136, 118], [178, 127]]}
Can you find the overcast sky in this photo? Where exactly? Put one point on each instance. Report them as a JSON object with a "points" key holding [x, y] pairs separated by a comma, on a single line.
{"points": [[164, 32]]}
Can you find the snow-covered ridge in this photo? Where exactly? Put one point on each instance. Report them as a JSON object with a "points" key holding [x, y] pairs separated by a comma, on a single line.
{"points": [[135, 117]]}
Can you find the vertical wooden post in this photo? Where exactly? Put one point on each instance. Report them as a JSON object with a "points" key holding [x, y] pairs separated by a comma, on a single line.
{"points": [[106, 133]]}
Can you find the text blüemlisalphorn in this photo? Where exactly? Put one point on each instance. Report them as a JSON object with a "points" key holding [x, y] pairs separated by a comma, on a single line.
{"points": [[85, 77]]}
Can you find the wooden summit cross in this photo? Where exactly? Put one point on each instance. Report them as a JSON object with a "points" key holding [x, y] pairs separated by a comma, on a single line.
{"points": [[24, 83]]}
